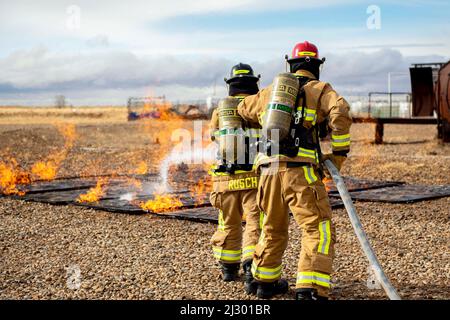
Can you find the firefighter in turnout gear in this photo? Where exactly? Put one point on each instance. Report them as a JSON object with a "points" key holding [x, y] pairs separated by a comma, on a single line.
{"points": [[290, 111], [234, 180]]}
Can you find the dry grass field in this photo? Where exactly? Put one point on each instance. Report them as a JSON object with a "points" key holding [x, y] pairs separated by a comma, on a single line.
{"points": [[146, 257]]}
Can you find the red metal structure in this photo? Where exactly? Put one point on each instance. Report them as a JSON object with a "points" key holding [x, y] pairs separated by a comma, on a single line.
{"points": [[430, 83], [442, 98], [428, 102]]}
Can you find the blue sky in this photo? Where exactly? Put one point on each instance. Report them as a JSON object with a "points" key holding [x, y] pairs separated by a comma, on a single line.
{"points": [[101, 52]]}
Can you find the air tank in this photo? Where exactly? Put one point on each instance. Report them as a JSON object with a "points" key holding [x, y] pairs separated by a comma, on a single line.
{"points": [[280, 107], [231, 133]]}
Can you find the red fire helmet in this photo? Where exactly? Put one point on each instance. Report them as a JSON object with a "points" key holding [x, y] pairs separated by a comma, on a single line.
{"points": [[305, 49]]}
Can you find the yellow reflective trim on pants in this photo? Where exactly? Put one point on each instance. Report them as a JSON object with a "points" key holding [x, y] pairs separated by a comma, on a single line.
{"points": [[261, 220], [317, 278], [248, 251], [340, 144], [227, 255], [261, 225], [221, 225], [266, 273], [342, 136], [309, 174], [325, 236]]}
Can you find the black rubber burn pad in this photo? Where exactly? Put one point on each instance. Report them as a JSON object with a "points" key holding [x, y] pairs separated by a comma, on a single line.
{"points": [[401, 194], [354, 184], [67, 191]]}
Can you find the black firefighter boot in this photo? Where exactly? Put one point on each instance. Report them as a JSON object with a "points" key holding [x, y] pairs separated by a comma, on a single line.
{"points": [[308, 294], [249, 284], [230, 271], [266, 290]]}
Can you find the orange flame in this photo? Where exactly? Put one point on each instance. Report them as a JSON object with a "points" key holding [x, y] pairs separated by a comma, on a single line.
{"points": [[198, 191], [142, 168], [95, 193], [11, 176], [47, 169], [327, 182], [161, 203]]}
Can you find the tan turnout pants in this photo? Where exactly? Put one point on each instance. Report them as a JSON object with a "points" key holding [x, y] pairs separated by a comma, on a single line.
{"points": [[300, 190], [230, 244]]}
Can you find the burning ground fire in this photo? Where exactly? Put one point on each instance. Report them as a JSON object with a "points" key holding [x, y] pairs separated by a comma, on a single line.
{"points": [[12, 175], [47, 169], [94, 194], [198, 191], [161, 203]]}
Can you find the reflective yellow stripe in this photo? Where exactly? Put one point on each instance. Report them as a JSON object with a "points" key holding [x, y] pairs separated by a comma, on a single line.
{"points": [[261, 219], [221, 226], [230, 252], [308, 153], [309, 174], [248, 251], [226, 255], [325, 236], [240, 71], [343, 136], [318, 278], [310, 114], [266, 273], [340, 144], [306, 53], [342, 140]]}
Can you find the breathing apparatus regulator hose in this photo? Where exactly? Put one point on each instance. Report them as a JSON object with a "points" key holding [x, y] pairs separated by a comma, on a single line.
{"points": [[361, 235]]}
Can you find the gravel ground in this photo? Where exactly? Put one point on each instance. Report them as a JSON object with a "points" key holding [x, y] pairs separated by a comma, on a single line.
{"points": [[144, 257]]}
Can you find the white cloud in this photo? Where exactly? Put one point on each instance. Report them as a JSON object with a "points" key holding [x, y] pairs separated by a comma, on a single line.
{"points": [[117, 52], [98, 41], [110, 76]]}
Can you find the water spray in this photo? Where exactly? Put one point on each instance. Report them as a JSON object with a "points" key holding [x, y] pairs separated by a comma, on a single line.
{"points": [[189, 156]]}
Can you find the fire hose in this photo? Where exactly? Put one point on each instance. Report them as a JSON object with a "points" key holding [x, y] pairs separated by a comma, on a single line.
{"points": [[361, 235]]}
